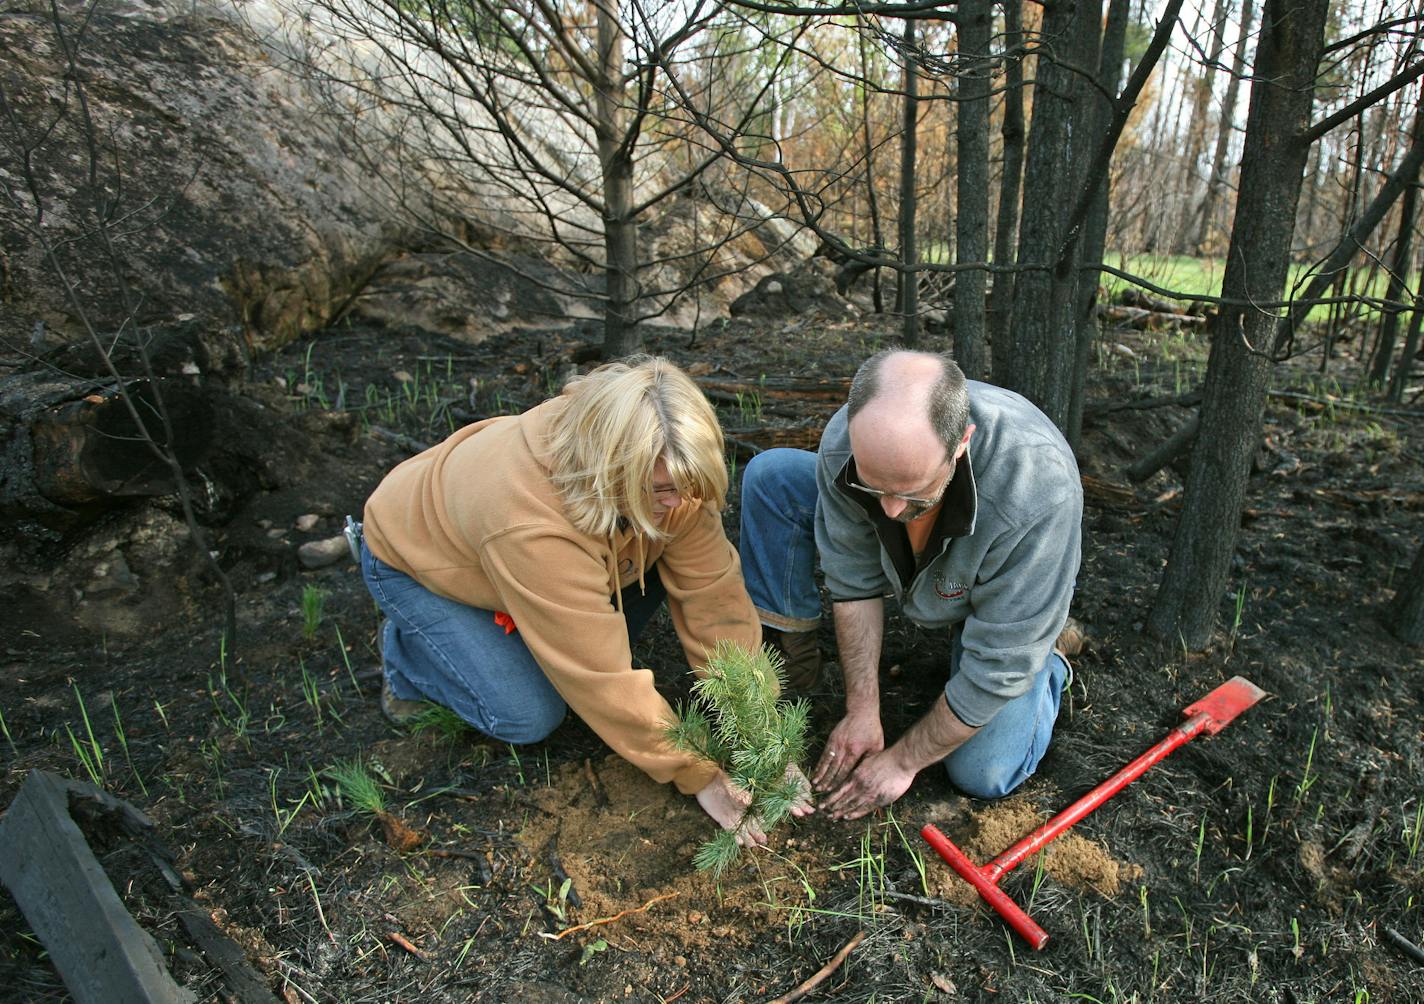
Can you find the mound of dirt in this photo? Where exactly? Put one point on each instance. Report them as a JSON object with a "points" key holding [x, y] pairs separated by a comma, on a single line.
{"points": [[1071, 860], [626, 843]]}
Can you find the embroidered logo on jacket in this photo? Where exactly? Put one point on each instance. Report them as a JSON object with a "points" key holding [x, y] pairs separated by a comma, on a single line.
{"points": [[949, 590]]}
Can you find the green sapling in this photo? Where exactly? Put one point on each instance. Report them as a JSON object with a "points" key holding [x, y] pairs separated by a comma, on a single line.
{"points": [[736, 720]]}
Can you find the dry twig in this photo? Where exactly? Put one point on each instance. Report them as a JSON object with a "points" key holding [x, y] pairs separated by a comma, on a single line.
{"points": [[605, 920], [400, 940], [822, 973]]}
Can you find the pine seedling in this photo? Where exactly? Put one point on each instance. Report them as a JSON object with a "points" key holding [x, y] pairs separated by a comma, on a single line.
{"points": [[736, 720], [358, 786]]}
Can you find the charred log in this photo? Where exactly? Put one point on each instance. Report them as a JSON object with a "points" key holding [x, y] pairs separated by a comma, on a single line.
{"points": [[72, 443], [1175, 446]]}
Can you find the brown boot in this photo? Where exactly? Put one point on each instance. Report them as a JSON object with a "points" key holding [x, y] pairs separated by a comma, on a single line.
{"points": [[1071, 639], [801, 657]]}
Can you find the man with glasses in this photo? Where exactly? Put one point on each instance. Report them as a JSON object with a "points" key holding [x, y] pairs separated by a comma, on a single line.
{"points": [[981, 542]]}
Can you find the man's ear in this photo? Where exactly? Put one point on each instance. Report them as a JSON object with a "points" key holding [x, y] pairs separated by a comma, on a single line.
{"points": [[964, 443]]}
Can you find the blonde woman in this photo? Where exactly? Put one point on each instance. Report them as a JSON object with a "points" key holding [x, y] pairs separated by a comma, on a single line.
{"points": [[517, 562]]}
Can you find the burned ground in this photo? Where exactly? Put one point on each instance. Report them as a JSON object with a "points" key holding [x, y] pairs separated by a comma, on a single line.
{"points": [[1264, 863]]}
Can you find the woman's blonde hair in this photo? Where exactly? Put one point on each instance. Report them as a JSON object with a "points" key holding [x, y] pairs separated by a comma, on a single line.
{"points": [[621, 418]]}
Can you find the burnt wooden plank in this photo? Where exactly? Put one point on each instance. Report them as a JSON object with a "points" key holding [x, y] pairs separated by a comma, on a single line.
{"points": [[97, 948], [246, 984]]}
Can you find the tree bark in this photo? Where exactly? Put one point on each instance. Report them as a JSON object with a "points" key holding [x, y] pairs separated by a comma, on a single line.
{"points": [[1224, 127], [908, 301], [1039, 361], [972, 201], [1399, 269], [1001, 296], [620, 228], [1234, 394], [1202, 88], [1095, 227], [1408, 613], [877, 236], [1409, 354]]}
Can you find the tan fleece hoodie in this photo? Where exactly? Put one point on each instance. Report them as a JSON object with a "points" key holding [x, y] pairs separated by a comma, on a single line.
{"points": [[476, 519]]}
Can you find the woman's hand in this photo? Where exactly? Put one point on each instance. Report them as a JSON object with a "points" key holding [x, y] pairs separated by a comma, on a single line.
{"points": [[803, 806], [727, 804]]}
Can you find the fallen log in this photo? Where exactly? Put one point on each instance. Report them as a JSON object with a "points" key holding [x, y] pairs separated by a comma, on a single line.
{"points": [[1142, 319], [1146, 403], [832, 390], [1107, 495], [1169, 451], [748, 442], [72, 442], [1131, 296]]}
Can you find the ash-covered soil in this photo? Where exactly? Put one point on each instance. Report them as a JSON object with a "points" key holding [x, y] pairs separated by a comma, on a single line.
{"points": [[1261, 864]]}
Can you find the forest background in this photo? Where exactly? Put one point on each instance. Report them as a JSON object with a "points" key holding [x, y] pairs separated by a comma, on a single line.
{"points": [[1019, 184]]}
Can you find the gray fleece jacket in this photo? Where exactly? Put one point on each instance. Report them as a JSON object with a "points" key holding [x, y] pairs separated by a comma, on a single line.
{"points": [[1000, 561]]}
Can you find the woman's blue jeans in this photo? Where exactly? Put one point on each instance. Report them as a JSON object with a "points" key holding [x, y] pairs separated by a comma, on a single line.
{"points": [[778, 550], [437, 649]]}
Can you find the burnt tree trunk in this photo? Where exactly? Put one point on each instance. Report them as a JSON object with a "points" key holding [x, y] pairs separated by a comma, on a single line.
{"points": [[972, 195], [620, 228], [1399, 269], [1234, 395], [877, 236], [1011, 132], [1408, 613], [1197, 128], [908, 300], [1095, 227], [1336, 263], [1039, 360], [1217, 179], [1409, 354]]}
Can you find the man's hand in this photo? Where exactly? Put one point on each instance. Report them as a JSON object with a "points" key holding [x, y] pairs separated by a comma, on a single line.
{"points": [[878, 781], [727, 804], [856, 736]]}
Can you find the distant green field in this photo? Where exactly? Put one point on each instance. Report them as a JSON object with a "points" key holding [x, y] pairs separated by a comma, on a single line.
{"points": [[1179, 273], [1202, 277], [1192, 277]]}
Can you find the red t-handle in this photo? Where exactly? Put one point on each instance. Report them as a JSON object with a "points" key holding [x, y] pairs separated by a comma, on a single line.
{"points": [[993, 895]]}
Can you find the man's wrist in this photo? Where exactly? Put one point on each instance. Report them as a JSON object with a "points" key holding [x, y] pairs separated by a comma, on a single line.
{"points": [[900, 758], [863, 705]]}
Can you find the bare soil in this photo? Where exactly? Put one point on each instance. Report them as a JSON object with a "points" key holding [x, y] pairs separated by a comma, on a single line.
{"points": [[1260, 864]]}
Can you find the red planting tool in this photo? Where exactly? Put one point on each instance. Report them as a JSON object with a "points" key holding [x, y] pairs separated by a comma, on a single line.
{"points": [[1210, 715]]}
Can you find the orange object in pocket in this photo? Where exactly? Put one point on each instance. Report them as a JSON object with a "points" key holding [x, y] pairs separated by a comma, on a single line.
{"points": [[505, 621]]}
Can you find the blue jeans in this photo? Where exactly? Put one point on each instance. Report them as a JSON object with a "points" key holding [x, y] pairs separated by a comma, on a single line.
{"points": [[440, 650], [778, 550]]}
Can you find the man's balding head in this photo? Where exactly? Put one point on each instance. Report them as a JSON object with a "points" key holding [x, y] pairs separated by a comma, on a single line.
{"points": [[908, 422], [912, 390]]}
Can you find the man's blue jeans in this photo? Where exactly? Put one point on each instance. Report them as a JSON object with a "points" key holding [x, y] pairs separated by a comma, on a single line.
{"points": [[439, 650], [778, 550]]}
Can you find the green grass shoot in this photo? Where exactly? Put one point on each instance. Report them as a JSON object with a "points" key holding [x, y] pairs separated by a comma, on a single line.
{"points": [[313, 606], [123, 741], [89, 753], [5, 729], [441, 720]]}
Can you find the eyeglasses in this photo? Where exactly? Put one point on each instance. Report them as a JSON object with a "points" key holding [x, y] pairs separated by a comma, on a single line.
{"points": [[909, 500], [663, 494]]}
